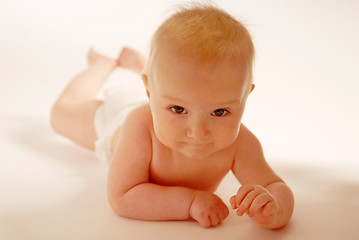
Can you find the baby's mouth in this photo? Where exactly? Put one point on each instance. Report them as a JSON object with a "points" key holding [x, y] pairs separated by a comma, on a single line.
{"points": [[197, 145]]}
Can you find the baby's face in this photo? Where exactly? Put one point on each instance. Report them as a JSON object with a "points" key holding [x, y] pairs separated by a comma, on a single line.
{"points": [[197, 108]]}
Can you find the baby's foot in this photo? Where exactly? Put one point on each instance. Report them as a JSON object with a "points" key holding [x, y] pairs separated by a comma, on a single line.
{"points": [[131, 59], [94, 58]]}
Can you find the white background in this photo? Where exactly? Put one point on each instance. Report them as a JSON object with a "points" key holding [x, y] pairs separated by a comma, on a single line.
{"points": [[304, 108]]}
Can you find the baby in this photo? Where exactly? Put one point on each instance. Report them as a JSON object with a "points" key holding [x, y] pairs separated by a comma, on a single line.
{"points": [[168, 153]]}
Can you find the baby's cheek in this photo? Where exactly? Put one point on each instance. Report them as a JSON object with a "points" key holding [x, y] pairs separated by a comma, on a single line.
{"points": [[228, 134], [167, 133]]}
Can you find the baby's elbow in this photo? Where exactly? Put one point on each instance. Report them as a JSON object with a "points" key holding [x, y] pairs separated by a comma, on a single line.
{"points": [[118, 206], [275, 226], [117, 209]]}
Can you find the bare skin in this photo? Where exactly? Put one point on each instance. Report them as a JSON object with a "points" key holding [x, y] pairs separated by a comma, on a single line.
{"points": [[73, 113], [155, 176], [131, 59]]}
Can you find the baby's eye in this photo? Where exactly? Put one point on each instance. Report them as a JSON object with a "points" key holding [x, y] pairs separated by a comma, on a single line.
{"points": [[178, 110], [219, 112]]}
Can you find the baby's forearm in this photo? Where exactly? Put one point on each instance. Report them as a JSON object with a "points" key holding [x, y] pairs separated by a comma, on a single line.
{"points": [[284, 196], [150, 201]]}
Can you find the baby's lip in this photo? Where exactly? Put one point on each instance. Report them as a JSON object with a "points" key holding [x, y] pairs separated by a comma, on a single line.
{"points": [[197, 143]]}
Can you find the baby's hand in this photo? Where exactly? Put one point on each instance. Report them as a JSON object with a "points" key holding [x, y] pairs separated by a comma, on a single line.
{"points": [[208, 209], [256, 201]]}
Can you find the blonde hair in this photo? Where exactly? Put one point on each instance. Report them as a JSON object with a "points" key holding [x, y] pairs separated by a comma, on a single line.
{"points": [[204, 32]]}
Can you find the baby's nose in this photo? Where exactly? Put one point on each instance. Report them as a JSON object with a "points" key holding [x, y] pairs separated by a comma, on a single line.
{"points": [[198, 130]]}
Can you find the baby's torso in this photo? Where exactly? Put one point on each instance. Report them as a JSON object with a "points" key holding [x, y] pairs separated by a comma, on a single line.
{"points": [[171, 168]]}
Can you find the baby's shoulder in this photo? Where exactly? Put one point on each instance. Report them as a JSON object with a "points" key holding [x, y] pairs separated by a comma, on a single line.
{"points": [[140, 118], [132, 141], [137, 125], [247, 143]]}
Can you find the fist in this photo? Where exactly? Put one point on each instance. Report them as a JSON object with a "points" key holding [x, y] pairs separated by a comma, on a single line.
{"points": [[256, 201], [208, 209]]}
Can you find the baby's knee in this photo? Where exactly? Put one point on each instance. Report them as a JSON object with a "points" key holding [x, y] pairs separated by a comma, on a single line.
{"points": [[57, 116]]}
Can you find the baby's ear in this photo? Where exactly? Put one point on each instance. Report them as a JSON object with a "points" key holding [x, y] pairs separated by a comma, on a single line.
{"points": [[145, 82], [144, 79], [252, 87], [148, 93]]}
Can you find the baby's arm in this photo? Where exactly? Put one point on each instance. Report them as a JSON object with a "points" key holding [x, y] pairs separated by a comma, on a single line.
{"points": [[132, 195], [263, 195], [130, 192]]}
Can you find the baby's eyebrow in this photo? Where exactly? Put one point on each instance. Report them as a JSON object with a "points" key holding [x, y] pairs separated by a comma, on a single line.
{"points": [[230, 102], [174, 98], [171, 97]]}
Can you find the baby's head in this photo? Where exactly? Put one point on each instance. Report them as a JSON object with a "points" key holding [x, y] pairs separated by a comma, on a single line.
{"points": [[198, 77]]}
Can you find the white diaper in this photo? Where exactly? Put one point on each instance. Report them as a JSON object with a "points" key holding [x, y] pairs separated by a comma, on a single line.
{"points": [[118, 102]]}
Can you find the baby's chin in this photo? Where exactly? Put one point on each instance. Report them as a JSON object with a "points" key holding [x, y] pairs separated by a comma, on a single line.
{"points": [[197, 152], [195, 156]]}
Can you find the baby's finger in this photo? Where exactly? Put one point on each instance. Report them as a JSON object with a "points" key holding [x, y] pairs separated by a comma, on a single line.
{"points": [[232, 201], [258, 203], [223, 213], [220, 215], [214, 219], [242, 193], [247, 201], [226, 211], [205, 221]]}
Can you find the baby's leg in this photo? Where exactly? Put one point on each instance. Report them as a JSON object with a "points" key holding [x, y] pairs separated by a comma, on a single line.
{"points": [[73, 113]]}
